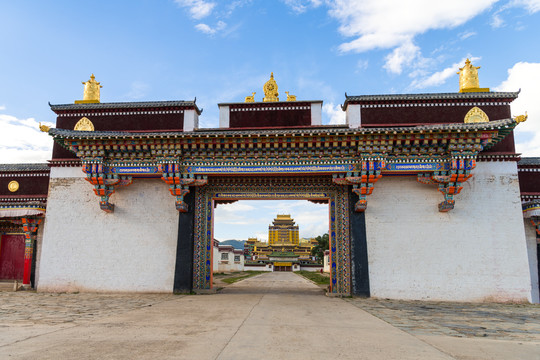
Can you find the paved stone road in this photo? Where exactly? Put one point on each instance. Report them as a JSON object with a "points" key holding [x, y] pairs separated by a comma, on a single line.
{"points": [[519, 322], [271, 316]]}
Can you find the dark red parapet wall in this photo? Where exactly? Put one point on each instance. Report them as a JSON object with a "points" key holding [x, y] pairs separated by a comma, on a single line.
{"points": [[529, 176], [270, 114], [33, 180], [399, 116], [270, 118], [428, 109], [128, 116]]}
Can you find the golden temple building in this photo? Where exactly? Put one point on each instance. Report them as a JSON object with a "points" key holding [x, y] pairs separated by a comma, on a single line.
{"points": [[283, 231], [284, 248]]}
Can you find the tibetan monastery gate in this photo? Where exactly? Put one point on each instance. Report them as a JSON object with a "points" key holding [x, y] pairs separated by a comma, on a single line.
{"points": [[422, 190]]}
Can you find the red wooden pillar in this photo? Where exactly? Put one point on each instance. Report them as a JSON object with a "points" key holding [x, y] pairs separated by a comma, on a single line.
{"points": [[30, 227]]}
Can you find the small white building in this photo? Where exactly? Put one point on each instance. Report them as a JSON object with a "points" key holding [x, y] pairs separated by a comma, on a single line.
{"points": [[227, 258]]}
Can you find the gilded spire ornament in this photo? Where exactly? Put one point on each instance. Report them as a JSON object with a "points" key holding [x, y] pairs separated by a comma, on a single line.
{"points": [[44, 128], [91, 91], [521, 118], [290, 97], [250, 98], [270, 90], [468, 78]]}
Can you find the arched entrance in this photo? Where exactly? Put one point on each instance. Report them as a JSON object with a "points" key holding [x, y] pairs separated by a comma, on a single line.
{"points": [[315, 188]]}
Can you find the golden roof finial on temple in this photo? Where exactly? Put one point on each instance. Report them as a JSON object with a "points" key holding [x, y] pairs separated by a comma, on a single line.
{"points": [[521, 118], [250, 98], [290, 97], [91, 91], [44, 128], [468, 78], [270, 90]]}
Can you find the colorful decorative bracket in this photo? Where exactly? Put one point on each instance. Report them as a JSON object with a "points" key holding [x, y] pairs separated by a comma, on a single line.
{"points": [[363, 182], [450, 182], [30, 229], [104, 183], [531, 210], [535, 221], [179, 183]]}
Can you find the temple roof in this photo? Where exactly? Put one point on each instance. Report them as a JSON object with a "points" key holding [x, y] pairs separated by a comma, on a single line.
{"points": [[126, 105], [23, 167], [340, 129], [432, 96], [529, 161]]}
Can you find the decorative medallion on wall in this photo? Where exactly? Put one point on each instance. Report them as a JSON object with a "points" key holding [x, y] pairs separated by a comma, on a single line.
{"points": [[84, 125], [476, 115], [13, 186]]}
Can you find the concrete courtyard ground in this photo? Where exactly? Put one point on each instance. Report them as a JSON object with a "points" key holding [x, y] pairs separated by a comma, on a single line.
{"points": [[269, 316]]}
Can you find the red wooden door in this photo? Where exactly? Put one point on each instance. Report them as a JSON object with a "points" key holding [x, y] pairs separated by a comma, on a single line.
{"points": [[11, 257]]}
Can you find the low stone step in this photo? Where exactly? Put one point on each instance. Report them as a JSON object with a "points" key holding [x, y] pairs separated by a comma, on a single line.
{"points": [[9, 285]]}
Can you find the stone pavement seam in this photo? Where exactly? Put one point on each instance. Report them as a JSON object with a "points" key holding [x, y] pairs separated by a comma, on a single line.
{"points": [[401, 330], [239, 327], [38, 335]]}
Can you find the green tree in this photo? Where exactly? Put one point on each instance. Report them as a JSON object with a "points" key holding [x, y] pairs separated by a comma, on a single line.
{"points": [[322, 245]]}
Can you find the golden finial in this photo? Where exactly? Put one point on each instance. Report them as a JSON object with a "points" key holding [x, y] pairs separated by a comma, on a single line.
{"points": [[84, 124], [270, 90], [44, 128], [521, 118], [476, 115], [290, 97], [250, 98], [91, 91], [468, 78]]}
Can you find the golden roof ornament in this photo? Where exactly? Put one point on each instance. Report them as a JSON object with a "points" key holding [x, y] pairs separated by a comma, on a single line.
{"points": [[91, 91], [270, 90], [521, 118], [84, 124], [476, 115], [250, 98], [44, 128], [468, 78], [13, 186], [290, 97]]}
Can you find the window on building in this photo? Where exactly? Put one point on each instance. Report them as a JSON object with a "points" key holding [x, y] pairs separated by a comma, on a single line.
{"points": [[224, 256], [236, 257]]}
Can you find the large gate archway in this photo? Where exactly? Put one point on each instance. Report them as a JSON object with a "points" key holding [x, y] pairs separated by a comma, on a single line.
{"points": [[312, 188], [332, 163]]}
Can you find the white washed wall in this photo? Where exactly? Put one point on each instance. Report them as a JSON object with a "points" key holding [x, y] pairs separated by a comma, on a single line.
{"points": [[37, 252], [530, 232], [86, 249], [476, 252]]}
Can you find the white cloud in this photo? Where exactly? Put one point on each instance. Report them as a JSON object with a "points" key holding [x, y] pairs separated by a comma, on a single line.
{"points": [[334, 113], [496, 21], [527, 77], [300, 6], [204, 28], [2, 107], [440, 77], [236, 207], [466, 35], [531, 6], [198, 9], [391, 24], [362, 64], [137, 90], [388, 23], [22, 142], [404, 55]]}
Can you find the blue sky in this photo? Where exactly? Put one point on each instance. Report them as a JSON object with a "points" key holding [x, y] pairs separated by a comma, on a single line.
{"points": [[221, 51]]}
